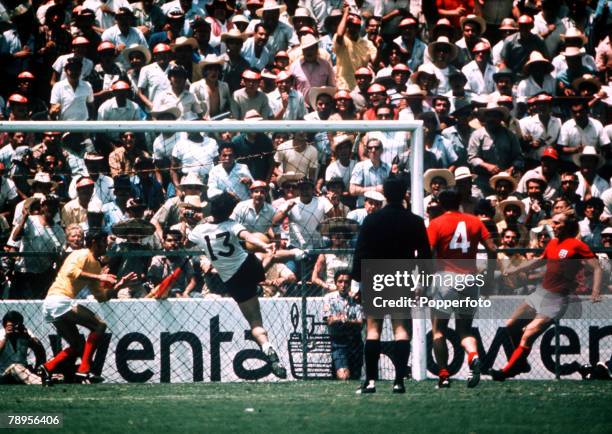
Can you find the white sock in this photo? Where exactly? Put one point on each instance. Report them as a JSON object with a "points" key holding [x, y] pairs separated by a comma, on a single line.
{"points": [[266, 346]]}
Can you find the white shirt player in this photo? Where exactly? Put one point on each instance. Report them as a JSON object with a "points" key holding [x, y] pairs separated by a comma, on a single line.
{"points": [[221, 244]]}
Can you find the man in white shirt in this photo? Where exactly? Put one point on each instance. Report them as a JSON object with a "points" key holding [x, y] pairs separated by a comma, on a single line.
{"points": [[71, 98], [255, 214], [370, 174], [479, 72], [122, 34], [194, 153], [342, 166], [119, 107], [228, 175], [153, 78], [80, 46], [539, 130], [286, 102], [305, 213], [580, 131], [179, 96]]}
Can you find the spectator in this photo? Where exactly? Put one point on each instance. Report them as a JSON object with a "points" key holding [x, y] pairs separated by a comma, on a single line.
{"points": [[15, 341], [517, 47], [408, 41], [163, 266], [71, 98], [37, 232], [194, 153], [212, 93], [122, 160], [229, 176], [479, 71], [235, 64], [255, 214], [255, 150], [369, 174], [250, 97], [363, 78], [298, 156], [537, 207], [310, 70], [513, 212], [591, 227], [344, 318], [80, 46], [153, 79], [442, 53], [254, 50], [352, 51], [340, 231], [373, 201], [493, 148], [119, 107], [178, 95], [590, 184], [122, 34]]}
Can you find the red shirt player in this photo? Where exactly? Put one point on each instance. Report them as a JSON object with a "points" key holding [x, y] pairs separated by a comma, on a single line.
{"points": [[564, 257], [454, 238]]}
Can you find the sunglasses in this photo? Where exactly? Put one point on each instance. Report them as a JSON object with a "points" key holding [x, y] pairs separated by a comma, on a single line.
{"points": [[374, 148]]}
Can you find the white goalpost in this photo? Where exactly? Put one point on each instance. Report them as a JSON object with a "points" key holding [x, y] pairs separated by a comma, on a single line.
{"points": [[419, 359]]}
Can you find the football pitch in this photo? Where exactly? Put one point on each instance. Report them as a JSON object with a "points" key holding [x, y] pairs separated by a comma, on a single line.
{"points": [[321, 406]]}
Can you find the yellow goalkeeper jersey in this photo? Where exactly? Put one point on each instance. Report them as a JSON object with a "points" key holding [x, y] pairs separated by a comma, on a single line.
{"points": [[69, 282]]}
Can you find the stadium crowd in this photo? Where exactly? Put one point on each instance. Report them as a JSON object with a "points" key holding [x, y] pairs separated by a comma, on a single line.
{"points": [[514, 97]]}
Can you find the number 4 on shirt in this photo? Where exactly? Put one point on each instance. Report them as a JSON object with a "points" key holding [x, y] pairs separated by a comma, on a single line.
{"points": [[460, 239]]}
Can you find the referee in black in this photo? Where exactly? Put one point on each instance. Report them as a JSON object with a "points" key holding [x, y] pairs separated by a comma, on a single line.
{"points": [[392, 232]]}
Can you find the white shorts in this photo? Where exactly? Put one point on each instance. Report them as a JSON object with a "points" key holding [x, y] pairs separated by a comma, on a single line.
{"points": [[54, 306], [547, 303], [441, 290]]}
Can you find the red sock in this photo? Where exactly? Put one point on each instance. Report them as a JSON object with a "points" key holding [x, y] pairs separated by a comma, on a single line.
{"points": [[518, 355], [90, 348], [471, 356], [66, 353], [443, 373]]}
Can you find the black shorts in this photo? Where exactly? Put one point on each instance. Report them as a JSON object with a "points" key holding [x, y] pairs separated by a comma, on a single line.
{"points": [[243, 284]]}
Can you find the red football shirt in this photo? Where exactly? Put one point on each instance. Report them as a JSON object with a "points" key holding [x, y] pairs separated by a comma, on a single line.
{"points": [[563, 264], [454, 239]]}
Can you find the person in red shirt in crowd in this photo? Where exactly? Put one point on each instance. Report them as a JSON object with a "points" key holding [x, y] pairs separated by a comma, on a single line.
{"points": [[454, 238], [454, 10], [564, 256]]}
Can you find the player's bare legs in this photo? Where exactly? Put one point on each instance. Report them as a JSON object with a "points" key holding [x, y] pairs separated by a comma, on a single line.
{"points": [[532, 330], [67, 328], [252, 313]]}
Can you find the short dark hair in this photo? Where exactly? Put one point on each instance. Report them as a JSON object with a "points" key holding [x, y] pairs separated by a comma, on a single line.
{"points": [[174, 232], [595, 202], [394, 190], [94, 235], [449, 200], [12, 316], [221, 206], [514, 231], [341, 272], [226, 145], [258, 25]]}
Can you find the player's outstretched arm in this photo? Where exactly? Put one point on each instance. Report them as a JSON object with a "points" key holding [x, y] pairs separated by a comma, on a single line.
{"points": [[525, 266], [593, 265]]}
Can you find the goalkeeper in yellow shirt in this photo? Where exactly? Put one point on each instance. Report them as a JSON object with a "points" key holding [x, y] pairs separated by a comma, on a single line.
{"points": [[82, 268]]}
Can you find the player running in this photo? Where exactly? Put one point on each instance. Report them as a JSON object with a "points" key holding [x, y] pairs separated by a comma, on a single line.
{"points": [[82, 268], [454, 238], [564, 257], [239, 270]]}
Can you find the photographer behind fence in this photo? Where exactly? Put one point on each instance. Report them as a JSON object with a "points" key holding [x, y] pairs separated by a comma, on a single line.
{"points": [[15, 340], [344, 317]]}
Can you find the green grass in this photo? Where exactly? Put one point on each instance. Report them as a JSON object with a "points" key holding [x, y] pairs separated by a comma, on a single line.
{"points": [[321, 406]]}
